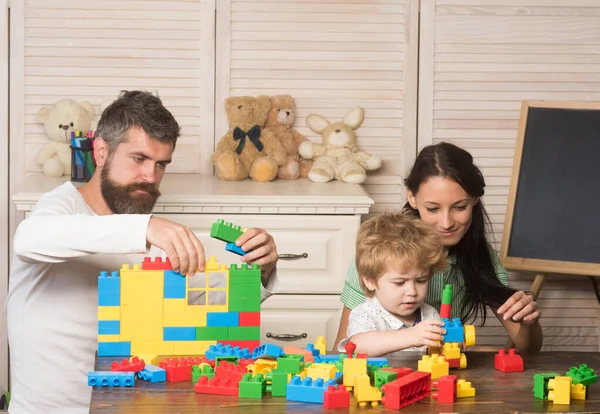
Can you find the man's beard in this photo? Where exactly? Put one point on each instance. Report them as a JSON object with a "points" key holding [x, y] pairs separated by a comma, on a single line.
{"points": [[123, 199]]}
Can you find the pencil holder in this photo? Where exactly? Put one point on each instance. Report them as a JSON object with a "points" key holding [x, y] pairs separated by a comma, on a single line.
{"points": [[82, 164]]}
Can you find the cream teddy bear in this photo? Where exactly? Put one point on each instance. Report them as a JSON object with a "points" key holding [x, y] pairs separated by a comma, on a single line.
{"points": [[59, 121], [338, 156]]}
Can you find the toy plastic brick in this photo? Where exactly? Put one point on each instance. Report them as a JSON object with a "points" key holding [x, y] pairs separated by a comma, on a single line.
{"points": [[381, 377], [508, 363], [179, 333], [217, 386], [114, 348], [157, 264], [253, 386], [202, 370], [111, 379], [446, 306], [292, 364], [277, 383], [226, 350], [540, 384], [323, 371], [559, 390], [109, 327], [336, 397], [251, 345], [222, 319], [406, 390], [233, 248], [436, 365], [109, 289], [321, 345], [578, 392], [227, 369], [582, 375], [446, 389], [464, 389], [307, 390], [267, 351], [249, 318], [455, 332], [126, 365], [225, 231], [352, 367], [174, 286], [178, 370], [364, 392], [152, 373], [450, 350]]}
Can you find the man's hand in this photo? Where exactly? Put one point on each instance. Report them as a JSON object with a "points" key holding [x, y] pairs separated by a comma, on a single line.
{"points": [[183, 248], [264, 250], [428, 333], [520, 308]]}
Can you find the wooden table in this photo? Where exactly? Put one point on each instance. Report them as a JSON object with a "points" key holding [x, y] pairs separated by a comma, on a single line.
{"points": [[496, 392]]}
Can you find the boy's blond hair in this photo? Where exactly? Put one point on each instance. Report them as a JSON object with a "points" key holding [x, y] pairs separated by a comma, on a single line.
{"points": [[396, 236]]}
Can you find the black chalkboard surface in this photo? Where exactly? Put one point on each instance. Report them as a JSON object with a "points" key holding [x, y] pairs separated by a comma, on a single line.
{"points": [[553, 212]]}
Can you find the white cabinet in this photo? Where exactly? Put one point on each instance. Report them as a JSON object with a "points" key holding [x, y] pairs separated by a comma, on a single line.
{"points": [[314, 226]]}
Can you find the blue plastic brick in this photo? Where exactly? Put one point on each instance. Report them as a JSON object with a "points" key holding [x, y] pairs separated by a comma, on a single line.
{"points": [[111, 379], [455, 332], [231, 247], [114, 348], [152, 373], [223, 319], [174, 285], [267, 351], [179, 333], [307, 390], [219, 350], [311, 348], [378, 361], [327, 358], [109, 327], [109, 289]]}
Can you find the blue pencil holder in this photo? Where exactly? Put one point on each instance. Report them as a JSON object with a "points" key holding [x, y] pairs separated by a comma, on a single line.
{"points": [[82, 164]]}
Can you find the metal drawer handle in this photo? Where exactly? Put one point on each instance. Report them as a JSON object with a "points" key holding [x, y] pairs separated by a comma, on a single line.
{"points": [[286, 337], [289, 256]]}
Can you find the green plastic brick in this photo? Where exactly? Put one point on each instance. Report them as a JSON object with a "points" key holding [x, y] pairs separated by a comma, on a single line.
{"points": [[244, 305], [383, 377], [244, 291], [582, 375], [244, 333], [279, 382], [244, 271], [225, 231], [232, 359], [198, 372], [291, 363], [540, 384], [253, 387], [211, 333]]}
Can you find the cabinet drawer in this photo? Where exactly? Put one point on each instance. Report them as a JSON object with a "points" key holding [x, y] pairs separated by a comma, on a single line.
{"points": [[322, 246], [300, 318]]}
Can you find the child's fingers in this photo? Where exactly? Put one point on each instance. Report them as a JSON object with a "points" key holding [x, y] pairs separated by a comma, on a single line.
{"points": [[431, 343], [434, 336]]}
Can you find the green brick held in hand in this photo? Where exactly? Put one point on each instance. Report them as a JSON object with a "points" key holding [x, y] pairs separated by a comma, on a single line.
{"points": [[211, 333], [253, 387], [243, 333], [279, 382], [447, 295], [225, 231]]}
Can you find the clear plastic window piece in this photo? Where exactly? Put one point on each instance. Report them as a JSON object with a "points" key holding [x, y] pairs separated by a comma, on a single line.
{"points": [[217, 297], [198, 281], [196, 297]]}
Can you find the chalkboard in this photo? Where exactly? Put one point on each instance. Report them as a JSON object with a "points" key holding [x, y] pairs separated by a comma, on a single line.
{"points": [[553, 212]]}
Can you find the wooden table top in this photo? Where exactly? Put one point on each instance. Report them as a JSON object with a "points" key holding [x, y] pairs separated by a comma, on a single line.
{"points": [[496, 392]]}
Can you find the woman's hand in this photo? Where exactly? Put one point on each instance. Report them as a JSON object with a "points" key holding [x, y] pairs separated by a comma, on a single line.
{"points": [[521, 308]]}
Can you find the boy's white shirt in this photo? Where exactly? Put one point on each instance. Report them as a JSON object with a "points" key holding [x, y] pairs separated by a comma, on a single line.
{"points": [[370, 316], [52, 302]]}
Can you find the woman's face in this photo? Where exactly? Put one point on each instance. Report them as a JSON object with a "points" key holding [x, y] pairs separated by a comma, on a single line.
{"points": [[446, 206]]}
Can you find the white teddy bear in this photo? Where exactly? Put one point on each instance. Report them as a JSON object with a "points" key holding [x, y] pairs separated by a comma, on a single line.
{"points": [[338, 156], [59, 121]]}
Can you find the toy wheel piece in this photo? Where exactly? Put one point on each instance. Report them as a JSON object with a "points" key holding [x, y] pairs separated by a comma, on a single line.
{"points": [[463, 361], [469, 335]]}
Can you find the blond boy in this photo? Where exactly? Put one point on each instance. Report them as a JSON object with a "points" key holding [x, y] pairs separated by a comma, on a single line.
{"points": [[395, 258]]}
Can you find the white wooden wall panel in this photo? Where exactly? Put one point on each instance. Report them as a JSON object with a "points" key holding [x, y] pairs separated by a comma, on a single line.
{"points": [[330, 56], [93, 50], [478, 60], [4, 189]]}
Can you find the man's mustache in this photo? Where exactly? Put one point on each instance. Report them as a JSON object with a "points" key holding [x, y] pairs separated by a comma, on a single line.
{"points": [[148, 187]]}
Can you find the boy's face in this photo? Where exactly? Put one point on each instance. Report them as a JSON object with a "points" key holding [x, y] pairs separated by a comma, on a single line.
{"points": [[401, 290]]}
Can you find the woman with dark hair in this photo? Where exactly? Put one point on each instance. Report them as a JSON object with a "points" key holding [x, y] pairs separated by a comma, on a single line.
{"points": [[444, 189]]}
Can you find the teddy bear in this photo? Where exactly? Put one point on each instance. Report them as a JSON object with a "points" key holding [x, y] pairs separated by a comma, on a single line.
{"points": [[281, 120], [59, 120], [338, 156], [248, 149]]}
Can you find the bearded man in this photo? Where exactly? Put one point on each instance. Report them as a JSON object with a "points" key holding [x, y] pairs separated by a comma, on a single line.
{"points": [[75, 233]]}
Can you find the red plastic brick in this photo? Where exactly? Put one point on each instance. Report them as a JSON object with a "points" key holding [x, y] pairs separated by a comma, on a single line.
{"points": [[243, 344], [157, 264], [453, 363], [336, 397], [229, 370], [446, 389], [350, 347], [217, 386], [400, 372], [134, 365], [508, 363], [179, 370], [406, 390], [249, 319]]}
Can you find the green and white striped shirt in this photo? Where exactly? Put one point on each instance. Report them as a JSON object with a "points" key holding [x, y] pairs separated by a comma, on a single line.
{"points": [[352, 294]]}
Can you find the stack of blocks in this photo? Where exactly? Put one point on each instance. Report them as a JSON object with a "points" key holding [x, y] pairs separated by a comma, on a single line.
{"points": [[561, 389], [151, 309]]}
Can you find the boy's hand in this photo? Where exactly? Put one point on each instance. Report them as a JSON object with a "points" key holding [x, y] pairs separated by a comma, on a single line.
{"points": [[428, 332]]}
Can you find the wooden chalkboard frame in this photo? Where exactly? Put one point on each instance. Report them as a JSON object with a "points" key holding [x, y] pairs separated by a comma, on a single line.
{"points": [[528, 264]]}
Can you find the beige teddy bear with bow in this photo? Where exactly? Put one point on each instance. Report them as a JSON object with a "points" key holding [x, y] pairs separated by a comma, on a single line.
{"points": [[338, 156]]}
